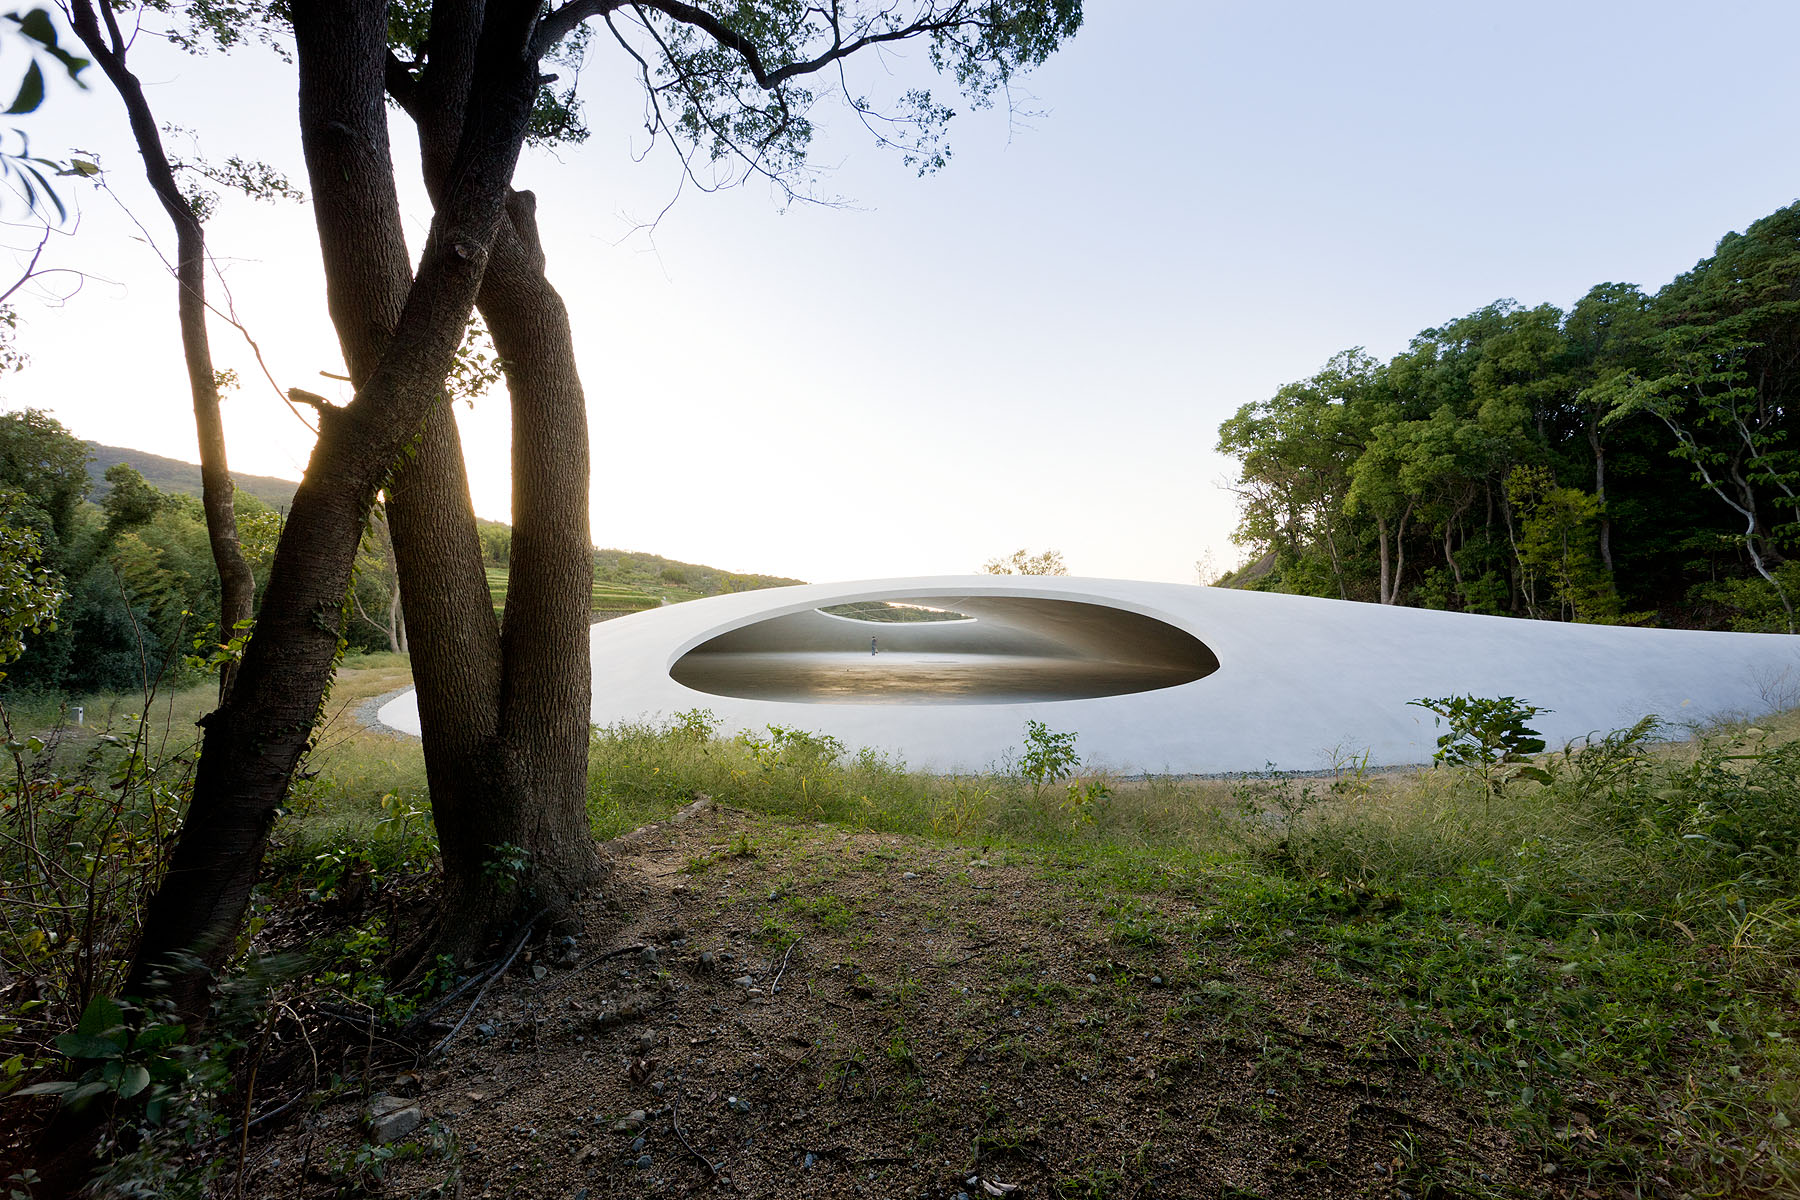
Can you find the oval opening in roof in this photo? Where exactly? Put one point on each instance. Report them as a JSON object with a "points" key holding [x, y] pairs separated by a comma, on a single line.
{"points": [[996, 650], [890, 612]]}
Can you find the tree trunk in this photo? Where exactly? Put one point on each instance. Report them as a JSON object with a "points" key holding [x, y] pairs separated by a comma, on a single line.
{"points": [[1381, 537], [1599, 448], [1450, 556], [504, 716], [1393, 597], [237, 586], [1337, 565], [546, 694], [396, 614], [255, 738]]}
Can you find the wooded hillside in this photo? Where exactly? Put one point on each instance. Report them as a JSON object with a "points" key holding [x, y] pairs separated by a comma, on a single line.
{"points": [[1630, 459]]}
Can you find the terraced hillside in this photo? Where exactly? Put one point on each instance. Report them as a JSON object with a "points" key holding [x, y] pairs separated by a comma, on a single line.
{"points": [[607, 597]]}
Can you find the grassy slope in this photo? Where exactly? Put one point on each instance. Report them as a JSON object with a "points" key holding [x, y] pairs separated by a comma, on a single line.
{"points": [[1601, 973]]}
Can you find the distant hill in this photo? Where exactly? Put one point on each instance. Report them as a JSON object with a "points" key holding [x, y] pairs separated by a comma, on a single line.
{"points": [[671, 580], [624, 581], [628, 581], [173, 475]]}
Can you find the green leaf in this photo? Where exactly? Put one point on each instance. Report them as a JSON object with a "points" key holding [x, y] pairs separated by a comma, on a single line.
{"points": [[31, 91], [37, 26], [134, 1080], [155, 1037], [102, 1015], [86, 1092], [88, 1045], [58, 1088]]}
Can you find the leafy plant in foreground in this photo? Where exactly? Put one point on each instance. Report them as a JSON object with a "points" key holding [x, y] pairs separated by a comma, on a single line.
{"points": [[113, 1057], [1048, 758], [1490, 736]]}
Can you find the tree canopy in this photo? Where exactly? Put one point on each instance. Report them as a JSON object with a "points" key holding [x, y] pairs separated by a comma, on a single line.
{"points": [[1629, 459]]}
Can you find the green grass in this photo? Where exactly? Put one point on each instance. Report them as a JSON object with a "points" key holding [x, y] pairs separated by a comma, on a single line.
{"points": [[1608, 963]]}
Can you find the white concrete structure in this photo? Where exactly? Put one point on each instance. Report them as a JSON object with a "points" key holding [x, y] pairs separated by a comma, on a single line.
{"points": [[1153, 677]]}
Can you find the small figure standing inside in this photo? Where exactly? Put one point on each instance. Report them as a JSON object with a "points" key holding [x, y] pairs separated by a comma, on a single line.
{"points": [[871, 647]]}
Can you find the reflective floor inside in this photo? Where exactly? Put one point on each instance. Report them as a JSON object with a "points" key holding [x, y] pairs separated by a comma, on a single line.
{"points": [[838, 677]]}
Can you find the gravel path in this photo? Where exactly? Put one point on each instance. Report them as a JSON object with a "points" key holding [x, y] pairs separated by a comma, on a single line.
{"points": [[368, 714]]}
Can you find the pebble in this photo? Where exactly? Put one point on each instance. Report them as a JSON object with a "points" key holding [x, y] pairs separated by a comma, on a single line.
{"points": [[743, 981], [637, 1143], [539, 970], [738, 1105], [910, 875], [645, 1162], [810, 1159]]}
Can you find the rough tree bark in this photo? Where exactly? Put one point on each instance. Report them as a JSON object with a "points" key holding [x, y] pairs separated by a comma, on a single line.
{"points": [[254, 740], [503, 712], [237, 586]]}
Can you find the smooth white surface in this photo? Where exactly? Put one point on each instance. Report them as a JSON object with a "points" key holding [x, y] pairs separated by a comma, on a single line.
{"points": [[1298, 677]]}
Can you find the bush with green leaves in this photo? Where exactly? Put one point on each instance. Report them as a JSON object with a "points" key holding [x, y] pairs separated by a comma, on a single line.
{"points": [[30, 592], [1490, 736], [790, 749], [109, 1055], [85, 833], [1049, 757]]}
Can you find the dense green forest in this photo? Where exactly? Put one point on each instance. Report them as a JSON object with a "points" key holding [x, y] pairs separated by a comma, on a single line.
{"points": [[140, 593], [122, 536], [1630, 459]]}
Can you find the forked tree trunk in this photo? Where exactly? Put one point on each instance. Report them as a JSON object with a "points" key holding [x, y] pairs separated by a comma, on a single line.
{"points": [[504, 715], [237, 586], [254, 740]]}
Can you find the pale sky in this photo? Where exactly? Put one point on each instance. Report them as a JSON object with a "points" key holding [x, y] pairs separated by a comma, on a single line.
{"points": [[1034, 348]]}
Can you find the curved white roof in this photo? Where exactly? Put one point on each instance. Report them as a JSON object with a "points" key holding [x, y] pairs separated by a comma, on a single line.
{"points": [[1296, 677]]}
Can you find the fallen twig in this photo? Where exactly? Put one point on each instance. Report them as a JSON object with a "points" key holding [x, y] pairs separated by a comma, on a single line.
{"points": [[687, 1145], [524, 936], [419, 1020], [618, 952], [775, 986]]}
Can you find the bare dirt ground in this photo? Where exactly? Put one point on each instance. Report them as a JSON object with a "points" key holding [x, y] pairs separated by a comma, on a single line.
{"points": [[824, 1013]]}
